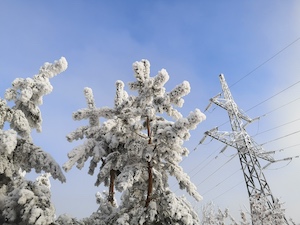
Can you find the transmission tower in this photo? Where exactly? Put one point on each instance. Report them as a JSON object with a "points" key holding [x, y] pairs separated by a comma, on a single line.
{"points": [[248, 150]]}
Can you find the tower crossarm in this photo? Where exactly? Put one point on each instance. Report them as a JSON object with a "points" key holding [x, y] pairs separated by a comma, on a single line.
{"points": [[227, 138], [237, 140], [225, 104]]}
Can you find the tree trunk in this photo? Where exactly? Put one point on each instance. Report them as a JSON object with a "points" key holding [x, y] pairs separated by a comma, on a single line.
{"points": [[111, 193], [150, 184], [150, 176]]}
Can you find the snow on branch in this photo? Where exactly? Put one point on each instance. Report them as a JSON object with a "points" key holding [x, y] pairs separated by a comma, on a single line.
{"points": [[141, 70], [29, 156], [8, 141], [28, 93], [50, 70], [98, 112], [121, 94], [185, 182], [178, 92], [112, 162], [160, 80], [6, 113], [94, 119], [28, 203], [79, 155]]}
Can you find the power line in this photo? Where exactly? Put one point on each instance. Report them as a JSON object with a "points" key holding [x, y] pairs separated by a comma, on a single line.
{"points": [[240, 169], [217, 169], [280, 107], [281, 160], [200, 165], [203, 162], [273, 96], [234, 156], [229, 189], [282, 149], [281, 166], [221, 182], [276, 127], [280, 137], [269, 59], [196, 149]]}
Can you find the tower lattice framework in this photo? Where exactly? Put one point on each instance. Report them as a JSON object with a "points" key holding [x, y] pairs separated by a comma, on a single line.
{"points": [[248, 150]]}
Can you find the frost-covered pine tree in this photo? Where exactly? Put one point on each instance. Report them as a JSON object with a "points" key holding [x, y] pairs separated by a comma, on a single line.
{"points": [[135, 149], [213, 216], [260, 215], [23, 201]]}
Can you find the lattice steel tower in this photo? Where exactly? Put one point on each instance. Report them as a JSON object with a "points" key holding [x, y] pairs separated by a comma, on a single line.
{"points": [[248, 150]]}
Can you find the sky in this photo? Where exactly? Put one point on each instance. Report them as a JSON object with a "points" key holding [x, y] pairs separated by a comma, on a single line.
{"points": [[255, 44]]}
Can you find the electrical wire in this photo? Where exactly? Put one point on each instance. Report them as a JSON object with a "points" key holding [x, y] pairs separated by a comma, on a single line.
{"points": [[282, 149], [221, 182], [281, 160], [273, 96], [203, 162], [189, 172], [280, 137], [195, 150], [202, 168], [269, 59], [212, 173], [217, 170], [229, 190], [280, 167], [276, 127], [265, 114]]}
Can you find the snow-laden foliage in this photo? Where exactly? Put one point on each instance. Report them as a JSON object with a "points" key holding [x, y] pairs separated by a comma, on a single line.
{"points": [[21, 201], [213, 216], [66, 219], [16, 147], [261, 214], [8, 141], [164, 209], [136, 149], [27, 202], [28, 94]]}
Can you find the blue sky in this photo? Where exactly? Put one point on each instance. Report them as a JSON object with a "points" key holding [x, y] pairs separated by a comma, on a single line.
{"points": [[194, 41]]}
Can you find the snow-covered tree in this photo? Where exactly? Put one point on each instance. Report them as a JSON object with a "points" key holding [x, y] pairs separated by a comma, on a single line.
{"points": [[28, 202], [215, 216], [137, 148], [23, 201], [261, 214]]}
